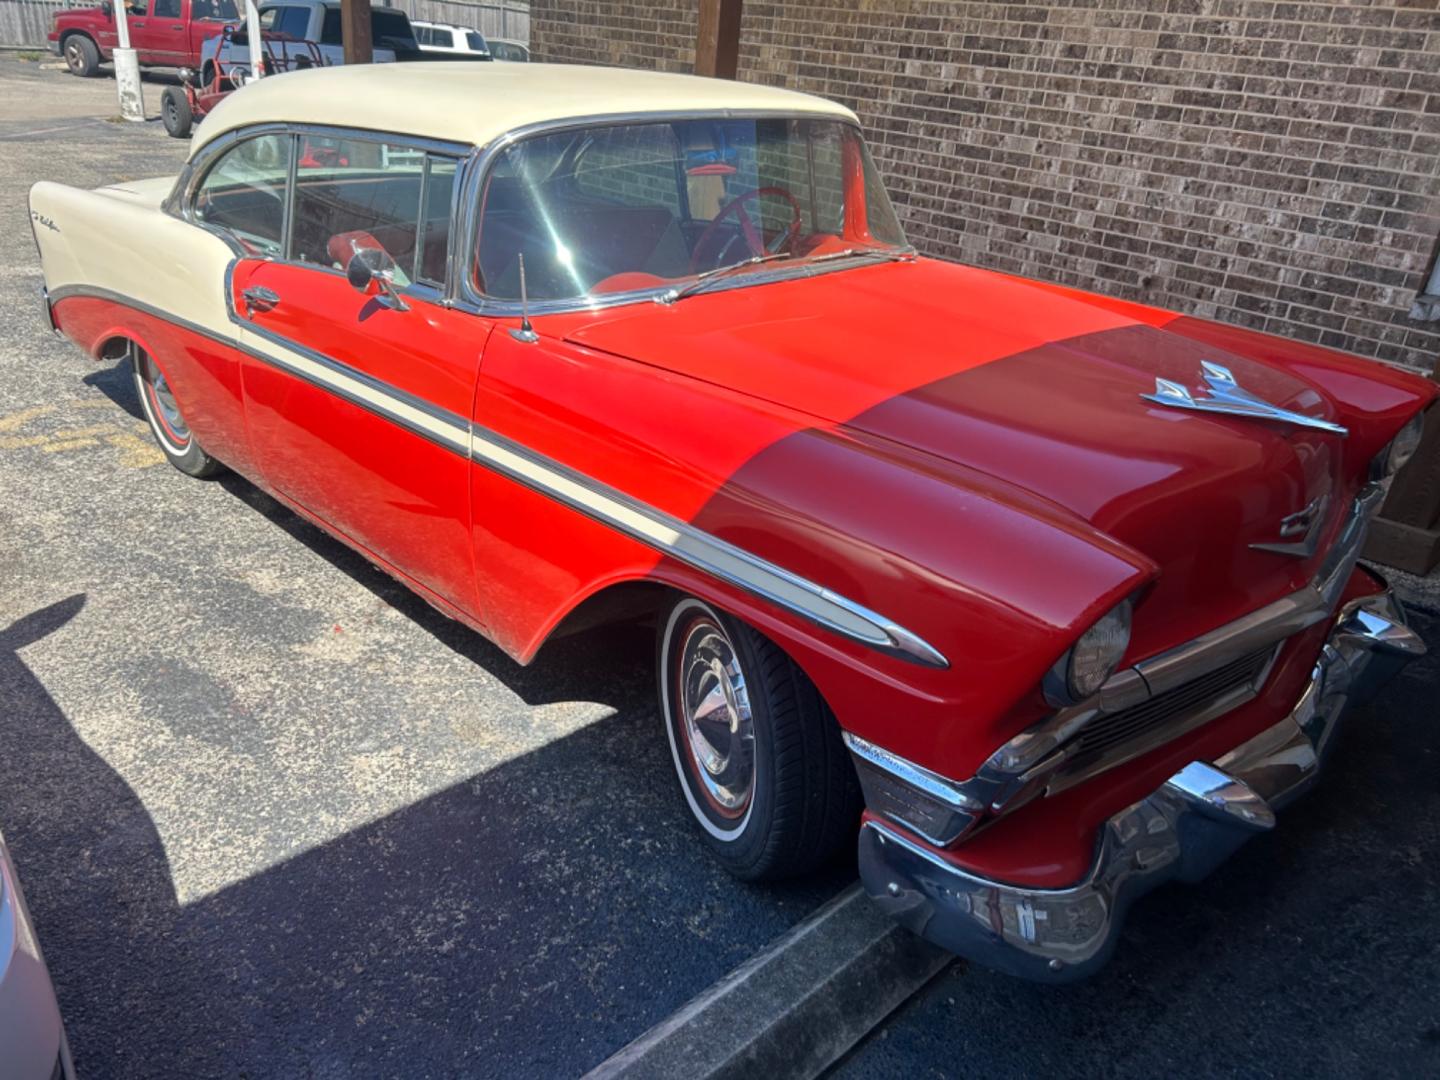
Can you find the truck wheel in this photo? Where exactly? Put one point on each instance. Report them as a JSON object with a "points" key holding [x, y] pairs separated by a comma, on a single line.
{"points": [[81, 56], [167, 424], [175, 111], [758, 754]]}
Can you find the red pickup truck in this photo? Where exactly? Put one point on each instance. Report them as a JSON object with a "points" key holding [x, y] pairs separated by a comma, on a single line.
{"points": [[164, 33]]}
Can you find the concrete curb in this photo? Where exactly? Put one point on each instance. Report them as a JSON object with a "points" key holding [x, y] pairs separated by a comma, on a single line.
{"points": [[793, 1009]]}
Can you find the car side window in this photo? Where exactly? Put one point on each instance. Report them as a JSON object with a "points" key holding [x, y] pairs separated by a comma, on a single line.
{"points": [[294, 22], [433, 257], [243, 193], [166, 9], [353, 193], [224, 10]]}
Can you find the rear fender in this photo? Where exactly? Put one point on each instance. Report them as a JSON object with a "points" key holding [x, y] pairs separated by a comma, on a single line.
{"points": [[118, 266]]}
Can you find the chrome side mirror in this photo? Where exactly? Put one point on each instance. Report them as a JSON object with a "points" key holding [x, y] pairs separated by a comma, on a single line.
{"points": [[372, 272]]}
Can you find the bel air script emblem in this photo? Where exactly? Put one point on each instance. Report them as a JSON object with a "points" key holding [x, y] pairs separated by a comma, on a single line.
{"points": [[1224, 395]]}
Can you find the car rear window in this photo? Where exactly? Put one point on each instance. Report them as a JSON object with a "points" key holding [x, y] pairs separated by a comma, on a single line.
{"points": [[388, 29]]}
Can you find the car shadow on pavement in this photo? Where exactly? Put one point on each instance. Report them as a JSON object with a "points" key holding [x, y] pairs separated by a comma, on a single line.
{"points": [[116, 383], [527, 922]]}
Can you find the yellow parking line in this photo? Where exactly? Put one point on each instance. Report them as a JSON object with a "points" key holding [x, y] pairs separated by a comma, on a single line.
{"points": [[24, 416], [135, 452]]}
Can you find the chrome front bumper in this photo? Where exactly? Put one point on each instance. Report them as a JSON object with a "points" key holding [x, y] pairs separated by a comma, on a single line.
{"points": [[1187, 827]]}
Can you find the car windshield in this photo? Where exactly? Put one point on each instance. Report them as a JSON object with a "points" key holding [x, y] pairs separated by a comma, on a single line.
{"points": [[609, 209]]}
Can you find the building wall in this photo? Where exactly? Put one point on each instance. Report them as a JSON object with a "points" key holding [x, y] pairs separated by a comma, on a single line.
{"points": [[1268, 163]]}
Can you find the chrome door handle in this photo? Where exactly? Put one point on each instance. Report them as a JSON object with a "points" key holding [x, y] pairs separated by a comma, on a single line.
{"points": [[259, 298]]}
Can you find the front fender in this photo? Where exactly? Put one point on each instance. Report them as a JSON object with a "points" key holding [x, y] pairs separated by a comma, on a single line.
{"points": [[999, 582]]}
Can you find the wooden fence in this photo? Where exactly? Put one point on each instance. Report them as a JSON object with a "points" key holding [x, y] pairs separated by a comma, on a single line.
{"points": [[24, 23]]}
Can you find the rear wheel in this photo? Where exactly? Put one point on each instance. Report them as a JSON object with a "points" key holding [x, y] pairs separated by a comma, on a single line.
{"points": [[167, 423], [175, 111], [761, 765], [81, 56]]}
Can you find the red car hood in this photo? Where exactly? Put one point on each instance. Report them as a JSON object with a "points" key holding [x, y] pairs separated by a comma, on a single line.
{"points": [[1039, 387]]}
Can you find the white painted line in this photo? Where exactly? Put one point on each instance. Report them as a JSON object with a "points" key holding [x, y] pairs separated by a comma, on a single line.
{"points": [[51, 130]]}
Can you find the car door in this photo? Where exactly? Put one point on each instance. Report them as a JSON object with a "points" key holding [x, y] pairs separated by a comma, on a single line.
{"points": [[207, 19], [358, 401], [158, 34]]}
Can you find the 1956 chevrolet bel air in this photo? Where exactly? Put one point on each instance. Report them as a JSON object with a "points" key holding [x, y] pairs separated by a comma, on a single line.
{"points": [[1050, 596]]}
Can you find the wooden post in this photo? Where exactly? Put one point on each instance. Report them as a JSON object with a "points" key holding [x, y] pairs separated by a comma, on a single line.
{"points": [[717, 38], [355, 31]]}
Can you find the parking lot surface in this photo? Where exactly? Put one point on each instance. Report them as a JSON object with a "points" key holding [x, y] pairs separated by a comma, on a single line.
{"points": [[277, 817]]}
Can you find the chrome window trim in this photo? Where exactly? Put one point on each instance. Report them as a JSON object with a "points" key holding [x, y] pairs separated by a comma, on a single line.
{"points": [[470, 299], [642, 522]]}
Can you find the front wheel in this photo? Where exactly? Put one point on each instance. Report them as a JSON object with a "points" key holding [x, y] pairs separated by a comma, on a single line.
{"points": [[175, 111], [81, 56], [758, 754], [167, 423]]}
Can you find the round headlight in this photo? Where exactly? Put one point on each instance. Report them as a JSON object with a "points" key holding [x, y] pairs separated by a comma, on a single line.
{"points": [[1402, 448], [1097, 653]]}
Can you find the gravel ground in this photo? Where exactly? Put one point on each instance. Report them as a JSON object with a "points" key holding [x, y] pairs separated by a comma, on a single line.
{"points": [[274, 815]]}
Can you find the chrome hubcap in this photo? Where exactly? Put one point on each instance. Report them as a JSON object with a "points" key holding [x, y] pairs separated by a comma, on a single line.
{"points": [[719, 730], [162, 400]]}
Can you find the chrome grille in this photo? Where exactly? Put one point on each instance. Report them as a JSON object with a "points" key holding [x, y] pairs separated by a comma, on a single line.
{"points": [[1112, 738]]}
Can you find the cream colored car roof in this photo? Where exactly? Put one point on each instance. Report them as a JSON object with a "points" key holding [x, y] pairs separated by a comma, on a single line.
{"points": [[477, 102]]}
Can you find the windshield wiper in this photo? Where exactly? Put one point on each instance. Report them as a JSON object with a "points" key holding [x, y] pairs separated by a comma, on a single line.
{"points": [[903, 255], [669, 296]]}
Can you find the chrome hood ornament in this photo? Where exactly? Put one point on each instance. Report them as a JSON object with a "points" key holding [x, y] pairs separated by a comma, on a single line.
{"points": [[1224, 395]]}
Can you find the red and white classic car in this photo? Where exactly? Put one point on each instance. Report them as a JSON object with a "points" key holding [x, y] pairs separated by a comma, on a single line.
{"points": [[1065, 586]]}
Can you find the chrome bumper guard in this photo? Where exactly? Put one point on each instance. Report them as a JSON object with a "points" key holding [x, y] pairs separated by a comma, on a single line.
{"points": [[50, 312], [1186, 828]]}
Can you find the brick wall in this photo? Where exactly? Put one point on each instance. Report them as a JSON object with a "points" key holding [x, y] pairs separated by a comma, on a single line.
{"points": [[1267, 163]]}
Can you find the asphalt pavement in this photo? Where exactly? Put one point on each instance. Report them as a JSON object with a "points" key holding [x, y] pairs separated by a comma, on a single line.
{"points": [[277, 817]]}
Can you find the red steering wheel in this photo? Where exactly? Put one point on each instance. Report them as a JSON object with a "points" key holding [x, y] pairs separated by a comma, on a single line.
{"points": [[748, 228]]}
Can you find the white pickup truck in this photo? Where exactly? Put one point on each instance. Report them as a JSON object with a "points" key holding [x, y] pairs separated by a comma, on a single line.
{"points": [[287, 25]]}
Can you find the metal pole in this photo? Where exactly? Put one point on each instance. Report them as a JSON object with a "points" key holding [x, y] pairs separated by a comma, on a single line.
{"points": [[252, 34], [127, 69]]}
